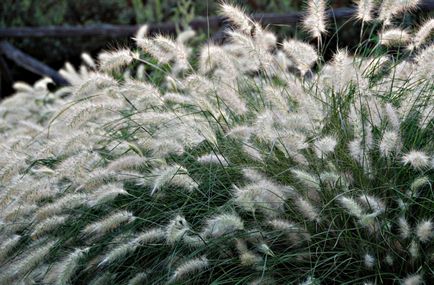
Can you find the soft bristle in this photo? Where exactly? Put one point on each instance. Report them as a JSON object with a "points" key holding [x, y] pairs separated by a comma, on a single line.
{"points": [[315, 20]]}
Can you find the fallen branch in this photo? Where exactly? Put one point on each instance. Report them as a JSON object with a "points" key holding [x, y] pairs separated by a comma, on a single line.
{"points": [[30, 63]]}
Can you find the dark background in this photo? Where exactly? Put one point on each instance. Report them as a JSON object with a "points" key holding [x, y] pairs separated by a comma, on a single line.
{"points": [[56, 51]]}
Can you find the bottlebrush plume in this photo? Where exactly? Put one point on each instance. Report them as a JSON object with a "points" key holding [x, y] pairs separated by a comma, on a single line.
{"points": [[223, 224], [7, 245], [394, 37], [176, 229], [69, 201], [113, 61], [185, 36], [364, 10], [390, 142], [118, 253], [149, 46], [307, 210], [419, 183], [369, 261], [404, 228], [48, 225], [306, 179], [107, 224], [88, 60], [237, 17], [392, 116], [252, 152], [32, 258], [303, 55], [176, 50], [324, 146], [390, 8], [413, 280], [263, 195], [142, 31], [422, 35], [138, 279], [414, 249], [64, 271], [425, 230], [105, 193], [417, 159], [213, 159], [127, 162], [315, 20], [192, 266], [173, 174], [352, 206], [324, 166]]}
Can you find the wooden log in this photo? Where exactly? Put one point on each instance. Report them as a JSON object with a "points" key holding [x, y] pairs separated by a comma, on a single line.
{"points": [[30, 63], [213, 22], [5, 78]]}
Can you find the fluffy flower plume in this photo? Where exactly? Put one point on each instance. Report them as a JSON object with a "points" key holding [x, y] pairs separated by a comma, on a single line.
{"points": [[394, 37], [325, 146], [112, 61], [417, 159], [237, 17], [315, 20], [303, 55], [423, 34], [425, 231], [364, 10], [192, 266], [259, 153]]}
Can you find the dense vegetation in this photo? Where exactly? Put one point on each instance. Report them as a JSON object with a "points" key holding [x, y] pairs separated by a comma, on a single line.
{"points": [[254, 162]]}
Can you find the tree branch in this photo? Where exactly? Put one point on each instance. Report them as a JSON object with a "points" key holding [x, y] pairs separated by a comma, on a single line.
{"points": [[30, 63]]}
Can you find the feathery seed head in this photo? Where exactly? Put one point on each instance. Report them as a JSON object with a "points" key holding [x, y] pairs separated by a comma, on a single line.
{"points": [[303, 55], [138, 279], [64, 271], [213, 159], [237, 17], [419, 182], [7, 246], [307, 210], [413, 280], [390, 142], [192, 266], [48, 225], [141, 32], [404, 228], [394, 37], [325, 145], [417, 159], [425, 230], [223, 224], [364, 10], [369, 260], [315, 19], [422, 35], [352, 206], [414, 249], [176, 229], [107, 224], [113, 61], [88, 60]]}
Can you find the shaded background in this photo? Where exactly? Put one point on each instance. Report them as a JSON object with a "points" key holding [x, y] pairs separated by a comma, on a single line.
{"points": [[55, 51]]}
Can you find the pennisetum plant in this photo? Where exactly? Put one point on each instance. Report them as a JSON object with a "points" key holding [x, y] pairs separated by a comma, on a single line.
{"points": [[257, 163]]}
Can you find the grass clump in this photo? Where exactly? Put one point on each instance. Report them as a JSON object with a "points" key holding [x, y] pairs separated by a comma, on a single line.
{"points": [[258, 163]]}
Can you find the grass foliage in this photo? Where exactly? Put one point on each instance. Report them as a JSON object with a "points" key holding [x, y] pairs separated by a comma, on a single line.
{"points": [[254, 162]]}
